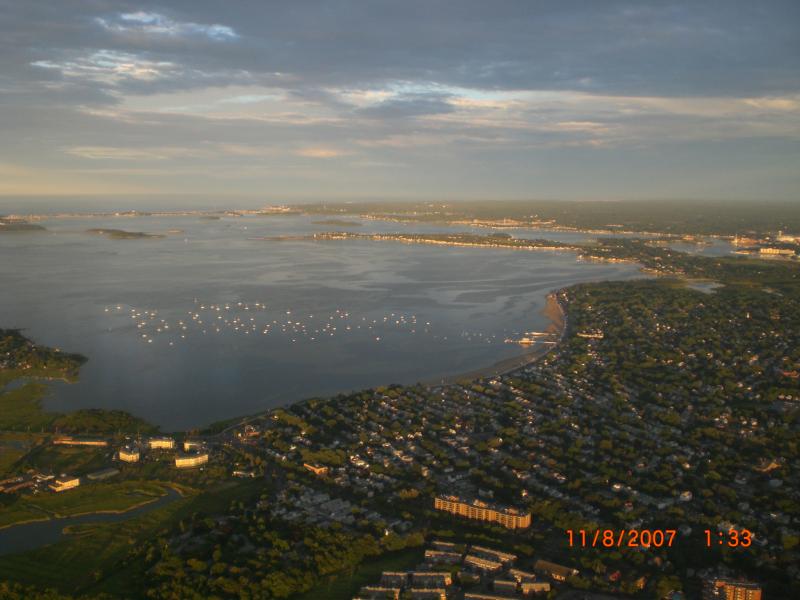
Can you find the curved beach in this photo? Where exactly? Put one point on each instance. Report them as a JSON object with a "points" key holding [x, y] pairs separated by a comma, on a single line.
{"points": [[558, 325]]}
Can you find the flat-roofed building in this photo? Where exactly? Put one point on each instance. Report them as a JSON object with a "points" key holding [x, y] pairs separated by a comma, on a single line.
{"points": [[129, 454], [427, 594], [478, 596], [161, 443], [447, 558], [510, 518], [482, 565], [394, 579], [445, 546], [430, 579], [80, 441], [496, 555], [553, 570], [503, 586], [376, 592], [519, 575], [530, 588], [64, 483], [730, 589], [191, 460], [777, 251]]}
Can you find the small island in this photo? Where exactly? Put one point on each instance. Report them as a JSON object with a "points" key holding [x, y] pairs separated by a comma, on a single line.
{"points": [[120, 234], [18, 225], [338, 223]]}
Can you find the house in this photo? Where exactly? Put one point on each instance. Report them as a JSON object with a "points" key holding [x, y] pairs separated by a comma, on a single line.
{"points": [[553, 570]]}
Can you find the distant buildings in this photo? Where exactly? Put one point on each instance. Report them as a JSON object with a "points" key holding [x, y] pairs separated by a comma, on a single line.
{"points": [[592, 335], [744, 241], [510, 518], [776, 251], [790, 238]]}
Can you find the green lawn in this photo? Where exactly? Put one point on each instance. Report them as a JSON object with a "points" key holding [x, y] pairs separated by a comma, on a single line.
{"points": [[75, 460]]}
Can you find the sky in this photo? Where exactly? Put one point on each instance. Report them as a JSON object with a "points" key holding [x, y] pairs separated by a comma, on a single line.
{"points": [[336, 100]]}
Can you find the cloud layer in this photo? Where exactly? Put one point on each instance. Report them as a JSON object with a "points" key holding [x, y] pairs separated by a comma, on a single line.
{"points": [[413, 99]]}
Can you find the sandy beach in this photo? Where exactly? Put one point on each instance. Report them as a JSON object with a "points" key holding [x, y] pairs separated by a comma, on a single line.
{"points": [[553, 311]]}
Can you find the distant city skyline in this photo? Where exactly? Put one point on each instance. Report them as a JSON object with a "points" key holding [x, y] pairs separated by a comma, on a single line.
{"points": [[413, 100]]}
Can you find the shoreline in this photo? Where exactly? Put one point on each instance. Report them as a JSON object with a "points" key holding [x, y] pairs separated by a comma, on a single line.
{"points": [[554, 311]]}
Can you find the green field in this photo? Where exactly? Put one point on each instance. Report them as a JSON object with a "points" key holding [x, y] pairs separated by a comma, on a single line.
{"points": [[87, 498], [13, 446], [75, 460], [21, 409]]}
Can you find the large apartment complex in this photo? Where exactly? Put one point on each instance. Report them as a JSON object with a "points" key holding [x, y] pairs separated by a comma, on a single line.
{"points": [[730, 589], [475, 509]]}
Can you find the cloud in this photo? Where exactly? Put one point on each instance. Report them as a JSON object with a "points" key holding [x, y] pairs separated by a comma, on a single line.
{"points": [[464, 94], [151, 23], [117, 153], [409, 105], [110, 67], [320, 152]]}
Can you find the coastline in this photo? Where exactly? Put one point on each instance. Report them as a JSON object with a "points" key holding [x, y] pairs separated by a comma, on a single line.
{"points": [[554, 311]]}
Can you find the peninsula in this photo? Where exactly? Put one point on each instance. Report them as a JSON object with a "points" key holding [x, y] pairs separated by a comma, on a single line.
{"points": [[119, 234]]}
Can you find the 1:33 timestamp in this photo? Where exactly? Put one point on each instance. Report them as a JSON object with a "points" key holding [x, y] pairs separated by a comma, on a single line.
{"points": [[733, 538]]}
